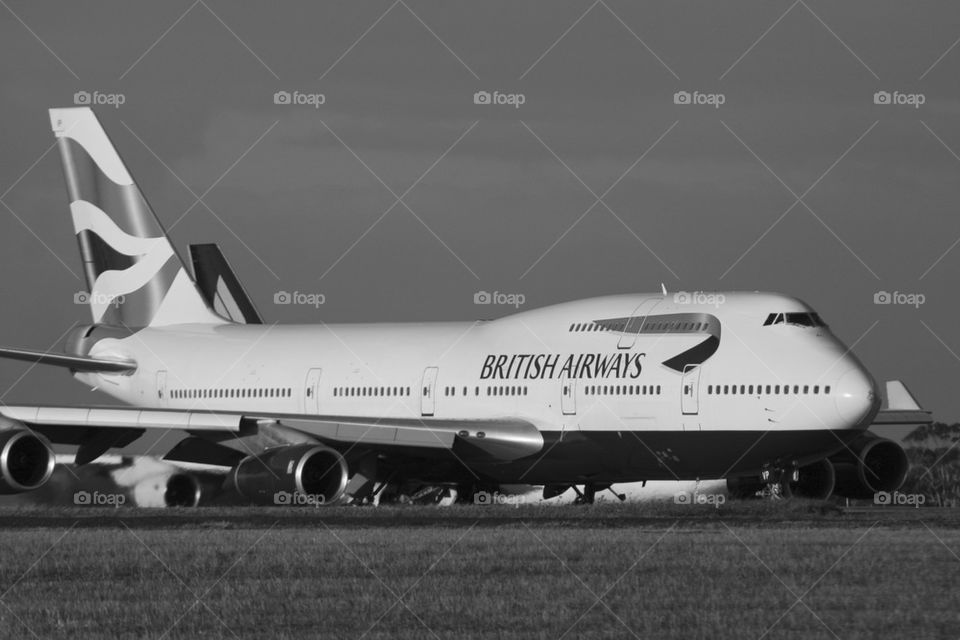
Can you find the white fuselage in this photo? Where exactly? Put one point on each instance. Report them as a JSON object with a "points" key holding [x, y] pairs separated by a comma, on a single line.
{"points": [[553, 367]]}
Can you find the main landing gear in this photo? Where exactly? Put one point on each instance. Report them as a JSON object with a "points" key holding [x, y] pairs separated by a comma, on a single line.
{"points": [[589, 493]]}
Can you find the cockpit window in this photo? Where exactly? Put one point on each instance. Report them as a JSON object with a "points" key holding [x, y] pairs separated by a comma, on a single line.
{"points": [[799, 319]]}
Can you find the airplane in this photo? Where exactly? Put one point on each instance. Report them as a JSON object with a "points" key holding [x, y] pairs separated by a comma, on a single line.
{"points": [[749, 387]]}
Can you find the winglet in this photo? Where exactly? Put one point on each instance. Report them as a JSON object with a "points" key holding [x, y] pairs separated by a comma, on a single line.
{"points": [[899, 397], [902, 407]]}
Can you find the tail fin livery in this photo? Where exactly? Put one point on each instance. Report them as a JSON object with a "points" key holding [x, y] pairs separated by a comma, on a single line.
{"points": [[134, 275]]}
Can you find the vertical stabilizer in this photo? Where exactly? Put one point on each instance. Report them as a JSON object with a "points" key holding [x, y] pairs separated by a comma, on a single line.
{"points": [[134, 276]]}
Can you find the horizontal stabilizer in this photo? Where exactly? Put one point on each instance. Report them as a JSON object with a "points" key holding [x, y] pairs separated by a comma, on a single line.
{"points": [[74, 363]]}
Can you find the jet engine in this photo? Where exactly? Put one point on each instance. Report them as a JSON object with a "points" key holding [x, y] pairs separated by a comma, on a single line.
{"points": [[26, 460], [870, 464], [155, 483], [307, 474], [182, 490], [816, 481]]}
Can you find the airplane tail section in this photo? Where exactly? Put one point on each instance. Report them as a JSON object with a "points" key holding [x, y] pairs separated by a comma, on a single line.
{"points": [[134, 276]]}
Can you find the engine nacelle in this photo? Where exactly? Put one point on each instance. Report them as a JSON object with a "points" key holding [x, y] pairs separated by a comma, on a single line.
{"points": [[168, 489], [306, 474], [148, 482], [183, 490], [26, 460], [871, 464], [816, 481]]}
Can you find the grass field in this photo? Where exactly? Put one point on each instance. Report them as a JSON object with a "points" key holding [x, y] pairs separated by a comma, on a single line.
{"points": [[746, 571]]}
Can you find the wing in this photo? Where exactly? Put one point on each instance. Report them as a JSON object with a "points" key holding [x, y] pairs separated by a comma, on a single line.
{"points": [[99, 429]]}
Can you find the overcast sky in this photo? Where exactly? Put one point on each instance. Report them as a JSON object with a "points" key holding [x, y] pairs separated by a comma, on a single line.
{"points": [[697, 197]]}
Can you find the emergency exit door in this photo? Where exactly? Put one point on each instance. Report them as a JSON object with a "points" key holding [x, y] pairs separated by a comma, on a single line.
{"points": [[568, 396], [162, 389], [311, 392], [690, 390], [428, 391], [635, 322]]}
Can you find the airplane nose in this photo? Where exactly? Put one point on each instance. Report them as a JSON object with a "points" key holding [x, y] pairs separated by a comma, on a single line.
{"points": [[856, 397]]}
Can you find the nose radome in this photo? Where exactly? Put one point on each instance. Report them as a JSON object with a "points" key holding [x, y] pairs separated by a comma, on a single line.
{"points": [[856, 397]]}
